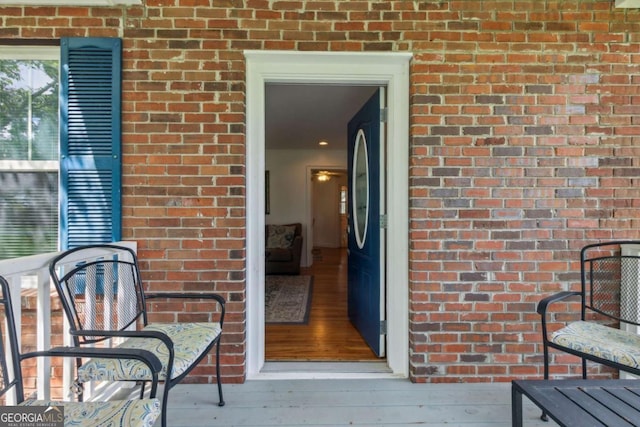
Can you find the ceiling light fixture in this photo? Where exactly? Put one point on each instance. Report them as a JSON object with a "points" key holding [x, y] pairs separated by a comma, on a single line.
{"points": [[323, 143]]}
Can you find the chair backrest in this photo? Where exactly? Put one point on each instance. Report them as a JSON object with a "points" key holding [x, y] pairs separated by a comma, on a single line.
{"points": [[611, 280], [279, 231], [100, 289], [10, 373]]}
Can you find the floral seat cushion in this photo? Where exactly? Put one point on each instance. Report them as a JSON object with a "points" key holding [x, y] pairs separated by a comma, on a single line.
{"points": [[125, 413], [190, 340], [601, 341], [280, 236]]}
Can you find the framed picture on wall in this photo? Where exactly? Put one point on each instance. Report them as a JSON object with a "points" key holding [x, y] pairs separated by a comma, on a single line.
{"points": [[266, 193]]}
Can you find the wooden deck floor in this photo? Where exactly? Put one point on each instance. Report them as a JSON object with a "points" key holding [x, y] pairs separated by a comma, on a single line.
{"points": [[369, 402]]}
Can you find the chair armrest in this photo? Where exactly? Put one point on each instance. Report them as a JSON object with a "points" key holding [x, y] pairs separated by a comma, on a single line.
{"points": [[128, 334], [543, 305], [192, 295], [132, 334], [144, 356], [545, 302], [296, 247]]}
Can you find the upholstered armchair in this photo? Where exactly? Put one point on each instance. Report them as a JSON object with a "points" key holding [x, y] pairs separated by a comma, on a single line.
{"points": [[283, 248]]}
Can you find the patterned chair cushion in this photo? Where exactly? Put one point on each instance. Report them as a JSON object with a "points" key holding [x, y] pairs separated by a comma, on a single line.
{"points": [[190, 340], [125, 413], [280, 236], [600, 341]]}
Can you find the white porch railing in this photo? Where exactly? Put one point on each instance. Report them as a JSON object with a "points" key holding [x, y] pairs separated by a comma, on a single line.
{"points": [[29, 274]]}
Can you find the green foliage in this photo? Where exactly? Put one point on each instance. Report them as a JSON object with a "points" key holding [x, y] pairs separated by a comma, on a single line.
{"points": [[28, 110]]}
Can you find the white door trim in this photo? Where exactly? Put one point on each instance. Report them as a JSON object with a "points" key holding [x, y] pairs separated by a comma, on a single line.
{"points": [[350, 68]]}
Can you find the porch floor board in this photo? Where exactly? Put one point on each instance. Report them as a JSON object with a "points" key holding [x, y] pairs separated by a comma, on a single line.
{"points": [[368, 402]]}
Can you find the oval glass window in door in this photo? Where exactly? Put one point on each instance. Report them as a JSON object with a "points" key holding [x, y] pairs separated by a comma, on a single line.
{"points": [[360, 196]]}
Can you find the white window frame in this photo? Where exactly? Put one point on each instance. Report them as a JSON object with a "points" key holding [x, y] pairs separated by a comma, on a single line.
{"points": [[45, 53], [629, 4]]}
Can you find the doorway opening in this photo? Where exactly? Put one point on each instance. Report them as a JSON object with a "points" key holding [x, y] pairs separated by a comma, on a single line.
{"points": [[382, 69], [306, 132], [328, 219]]}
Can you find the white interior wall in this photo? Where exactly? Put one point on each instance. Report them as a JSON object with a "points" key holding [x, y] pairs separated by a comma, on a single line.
{"points": [[289, 199], [326, 212]]}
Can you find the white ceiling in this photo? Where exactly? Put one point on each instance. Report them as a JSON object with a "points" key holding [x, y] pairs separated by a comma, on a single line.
{"points": [[299, 116]]}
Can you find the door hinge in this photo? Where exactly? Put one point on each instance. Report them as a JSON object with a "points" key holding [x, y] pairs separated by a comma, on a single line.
{"points": [[383, 115], [383, 327], [383, 221]]}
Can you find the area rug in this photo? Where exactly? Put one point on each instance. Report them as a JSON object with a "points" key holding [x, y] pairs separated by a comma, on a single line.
{"points": [[288, 299]]}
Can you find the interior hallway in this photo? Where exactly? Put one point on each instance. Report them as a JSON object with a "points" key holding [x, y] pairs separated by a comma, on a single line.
{"points": [[329, 335]]}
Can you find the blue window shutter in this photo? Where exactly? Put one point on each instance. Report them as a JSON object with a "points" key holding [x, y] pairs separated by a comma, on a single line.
{"points": [[90, 152]]}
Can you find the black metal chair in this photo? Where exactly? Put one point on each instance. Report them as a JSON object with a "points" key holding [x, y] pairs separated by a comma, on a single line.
{"points": [[135, 412], [104, 300], [609, 301]]}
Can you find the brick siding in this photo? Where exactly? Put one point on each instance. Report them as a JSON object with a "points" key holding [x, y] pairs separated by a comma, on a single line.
{"points": [[28, 342], [525, 146]]}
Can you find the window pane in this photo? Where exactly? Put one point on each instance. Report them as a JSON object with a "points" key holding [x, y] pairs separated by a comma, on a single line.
{"points": [[28, 213], [28, 150], [28, 110]]}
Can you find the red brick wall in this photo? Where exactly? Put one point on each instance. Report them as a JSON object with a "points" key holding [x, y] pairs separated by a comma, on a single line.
{"points": [[28, 343], [525, 145]]}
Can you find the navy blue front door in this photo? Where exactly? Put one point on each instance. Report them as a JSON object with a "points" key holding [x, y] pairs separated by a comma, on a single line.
{"points": [[365, 266]]}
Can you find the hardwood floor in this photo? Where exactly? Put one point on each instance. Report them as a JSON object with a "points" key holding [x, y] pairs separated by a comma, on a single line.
{"points": [[329, 335]]}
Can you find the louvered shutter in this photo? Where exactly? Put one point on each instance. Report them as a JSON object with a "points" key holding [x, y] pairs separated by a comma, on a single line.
{"points": [[90, 141]]}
